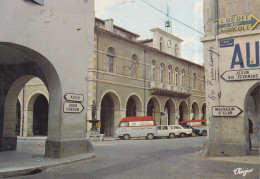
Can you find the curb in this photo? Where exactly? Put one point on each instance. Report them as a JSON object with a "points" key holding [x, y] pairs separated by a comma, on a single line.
{"points": [[23, 171]]}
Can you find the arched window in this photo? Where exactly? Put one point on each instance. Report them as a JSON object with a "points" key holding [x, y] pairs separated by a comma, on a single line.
{"points": [[204, 83], [176, 76], [169, 74], [110, 60], [161, 72], [161, 44], [133, 68], [194, 81], [153, 71], [182, 78]]}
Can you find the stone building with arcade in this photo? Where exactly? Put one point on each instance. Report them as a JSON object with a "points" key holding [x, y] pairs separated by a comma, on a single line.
{"points": [[231, 58], [129, 77]]}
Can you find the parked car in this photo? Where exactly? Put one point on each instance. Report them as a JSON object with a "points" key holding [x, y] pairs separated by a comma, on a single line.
{"points": [[144, 126], [203, 130], [197, 124], [183, 132], [168, 131], [195, 131]]}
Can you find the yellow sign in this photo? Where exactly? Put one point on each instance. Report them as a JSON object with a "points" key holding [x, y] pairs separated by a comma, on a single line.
{"points": [[237, 23]]}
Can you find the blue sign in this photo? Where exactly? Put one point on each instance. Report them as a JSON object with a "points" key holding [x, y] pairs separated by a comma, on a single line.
{"points": [[227, 43]]}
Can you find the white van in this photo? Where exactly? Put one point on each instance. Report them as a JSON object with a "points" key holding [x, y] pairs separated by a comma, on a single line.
{"points": [[143, 126]]}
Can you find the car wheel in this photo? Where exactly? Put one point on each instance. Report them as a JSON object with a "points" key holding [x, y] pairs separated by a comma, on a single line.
{"points": [[204, 133], [126, 137], [172, 136], [193, 134], [150, 136]]}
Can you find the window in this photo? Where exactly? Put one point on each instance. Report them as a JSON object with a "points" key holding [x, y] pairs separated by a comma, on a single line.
{"points": [[133, 68], [176, 76], [161, 72], [194, 81], [97, 24], [153, 71], [164, 128], [110, 60], [204, 83], [116, 31], [161, 44], [182, 78], [169, 74], [129, 36], [176, 49], [124, 124]]}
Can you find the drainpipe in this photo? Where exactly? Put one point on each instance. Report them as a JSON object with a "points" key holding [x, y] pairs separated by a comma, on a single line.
{"points": [[216, 18], [97, 75], [189, 89], [145, 66], [217, 49]]}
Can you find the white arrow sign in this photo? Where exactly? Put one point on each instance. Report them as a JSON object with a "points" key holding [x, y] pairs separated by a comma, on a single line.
{"points": [[238, 75], [226, 111], [74, 97], [72, 107]]}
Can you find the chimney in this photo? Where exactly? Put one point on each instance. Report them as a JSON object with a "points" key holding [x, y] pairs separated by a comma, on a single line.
{"points": [[109, 25]]}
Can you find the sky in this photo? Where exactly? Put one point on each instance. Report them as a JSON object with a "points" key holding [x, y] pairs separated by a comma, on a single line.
{"points": [[139, 17]]}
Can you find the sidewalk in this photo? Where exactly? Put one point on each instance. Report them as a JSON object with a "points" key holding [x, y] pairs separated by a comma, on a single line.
{"points": [[253, 158], [29, 157]]}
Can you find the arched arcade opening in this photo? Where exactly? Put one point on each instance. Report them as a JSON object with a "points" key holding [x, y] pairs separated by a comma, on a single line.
{"points": [[153, 109], [204, 110], [252, 117], [169, 111], [194, 111], [183, 111], [109, 114], [18, 118], [40, 116], [27, 64], [133, 106]]}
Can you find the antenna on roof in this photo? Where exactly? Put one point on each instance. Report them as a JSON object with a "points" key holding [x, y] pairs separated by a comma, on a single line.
{"points": [[168, 23]]}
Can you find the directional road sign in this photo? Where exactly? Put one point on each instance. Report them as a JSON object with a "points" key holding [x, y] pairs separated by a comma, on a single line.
{"points": [[237, 23], [72, 107], [226, 111], [74, 97], [239, 75]]}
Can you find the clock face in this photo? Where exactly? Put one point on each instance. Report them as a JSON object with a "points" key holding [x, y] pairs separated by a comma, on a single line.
{"points": [[169, 43]]}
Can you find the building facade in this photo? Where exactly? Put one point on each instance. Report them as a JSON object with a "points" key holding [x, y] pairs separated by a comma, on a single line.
{"points": [[231, 52], [45, 40], [128, 77]]}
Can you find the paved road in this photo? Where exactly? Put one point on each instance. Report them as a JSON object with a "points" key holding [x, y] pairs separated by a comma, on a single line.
{"points": [[143, 159]]}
